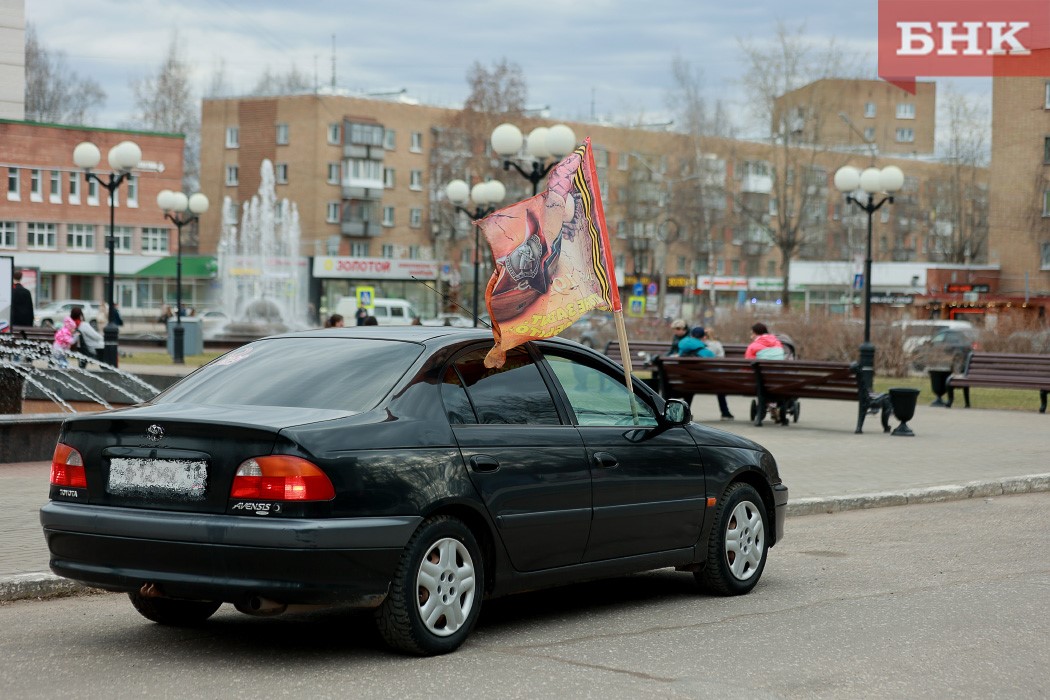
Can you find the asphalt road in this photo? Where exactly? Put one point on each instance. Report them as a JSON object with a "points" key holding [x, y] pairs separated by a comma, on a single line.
{"points": [[936, 600]]}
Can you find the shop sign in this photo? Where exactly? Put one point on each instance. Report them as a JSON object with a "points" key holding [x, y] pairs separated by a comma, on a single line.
{"points": [[963, 288], [332, 267]]}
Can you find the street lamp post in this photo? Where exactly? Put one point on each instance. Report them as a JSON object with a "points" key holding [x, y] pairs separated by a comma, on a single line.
{"points": [[123, 158], [484, 195], [872, 181], [180, 210], [543, 142]]}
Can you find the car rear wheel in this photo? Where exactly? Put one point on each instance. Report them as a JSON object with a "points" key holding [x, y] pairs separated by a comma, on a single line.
{"points": [[736, 552], [435, 597], [173, 612]]}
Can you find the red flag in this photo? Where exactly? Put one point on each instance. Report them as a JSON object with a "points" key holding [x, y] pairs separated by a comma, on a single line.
{"points": [[553, 259]]}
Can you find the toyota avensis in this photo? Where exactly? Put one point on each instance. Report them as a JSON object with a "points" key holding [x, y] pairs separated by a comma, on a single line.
{"points": [[390, 469]]}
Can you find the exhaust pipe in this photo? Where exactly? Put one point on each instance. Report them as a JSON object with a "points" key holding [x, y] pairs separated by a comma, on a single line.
{"points": [[261, 607], [150, 590]]}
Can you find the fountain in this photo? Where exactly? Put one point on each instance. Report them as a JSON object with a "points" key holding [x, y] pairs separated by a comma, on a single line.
{"points": [[35, 394], [262, 274]]}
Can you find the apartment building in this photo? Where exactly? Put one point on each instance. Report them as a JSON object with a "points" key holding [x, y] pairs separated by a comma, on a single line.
{"points": [[55, 223], [860, 114], [1020, 184]]}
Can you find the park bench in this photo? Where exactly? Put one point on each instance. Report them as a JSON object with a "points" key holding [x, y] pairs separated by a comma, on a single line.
{"points": [[771, 382], [31, 333], [1004, 371]]}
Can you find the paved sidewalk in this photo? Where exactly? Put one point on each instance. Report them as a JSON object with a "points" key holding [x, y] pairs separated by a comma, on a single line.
{"points": [[956, 453]]}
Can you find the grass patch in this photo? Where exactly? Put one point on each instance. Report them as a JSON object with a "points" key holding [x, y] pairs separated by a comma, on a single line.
{"points": [[1005, 399], [159, 357]]}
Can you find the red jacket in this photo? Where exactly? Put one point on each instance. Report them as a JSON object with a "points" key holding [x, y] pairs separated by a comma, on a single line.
{"points": [[764, 342]]}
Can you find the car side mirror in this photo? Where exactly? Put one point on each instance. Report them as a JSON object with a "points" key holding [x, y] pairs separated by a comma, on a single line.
{"points": [[676, 412]]}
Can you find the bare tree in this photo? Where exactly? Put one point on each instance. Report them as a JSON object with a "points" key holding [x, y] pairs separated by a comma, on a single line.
{"points": [[165, 102], [959, 197], [290, 82], [783, 200], [54, 92]]}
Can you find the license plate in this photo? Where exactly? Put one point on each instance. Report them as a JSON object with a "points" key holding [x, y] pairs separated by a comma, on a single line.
{"points": [[183, 479]]}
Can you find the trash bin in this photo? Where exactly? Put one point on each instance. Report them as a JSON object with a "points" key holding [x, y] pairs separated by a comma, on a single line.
{"points": [[939, 383], [192, 339], [903, 400]]}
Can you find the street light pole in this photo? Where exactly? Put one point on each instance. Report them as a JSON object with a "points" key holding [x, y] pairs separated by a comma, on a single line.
{"points": [[543, 142], [180, 210], [484, 195], [872, 181], [123, 158]]}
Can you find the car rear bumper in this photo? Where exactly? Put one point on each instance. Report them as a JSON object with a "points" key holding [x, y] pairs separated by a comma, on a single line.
{"points": [[780, 499], [222, 557]]}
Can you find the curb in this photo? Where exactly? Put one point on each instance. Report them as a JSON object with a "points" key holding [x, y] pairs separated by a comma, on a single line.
{"points": [[46, 585]]}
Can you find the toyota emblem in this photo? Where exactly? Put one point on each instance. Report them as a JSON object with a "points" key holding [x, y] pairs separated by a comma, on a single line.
{"points": [[155, 433]]}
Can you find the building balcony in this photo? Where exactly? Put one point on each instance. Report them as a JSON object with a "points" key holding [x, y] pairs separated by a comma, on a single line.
{"points": [[757, 184], [363, 189], [369, 229], [362, 152]]}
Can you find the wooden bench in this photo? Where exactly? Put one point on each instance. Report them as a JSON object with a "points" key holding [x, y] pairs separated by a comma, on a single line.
{"points": [[31, 333], [641, 352], [771, 382], [1004, 371]]}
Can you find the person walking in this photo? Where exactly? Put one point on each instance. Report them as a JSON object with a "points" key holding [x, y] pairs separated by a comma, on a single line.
{"points": [[21, 303]]}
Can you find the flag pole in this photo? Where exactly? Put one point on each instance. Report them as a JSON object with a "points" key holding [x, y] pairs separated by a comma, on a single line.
{"points": [[625, 359]]}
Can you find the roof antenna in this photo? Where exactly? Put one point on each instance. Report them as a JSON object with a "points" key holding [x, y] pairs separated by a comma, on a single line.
{"points": [[333, 61], [446, 298]]}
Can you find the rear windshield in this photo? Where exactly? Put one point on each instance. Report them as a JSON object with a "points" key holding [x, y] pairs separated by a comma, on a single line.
{"points": [[345, 374]]}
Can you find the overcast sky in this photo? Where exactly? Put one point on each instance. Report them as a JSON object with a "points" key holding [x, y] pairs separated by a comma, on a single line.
{"points": [[607, 59]]}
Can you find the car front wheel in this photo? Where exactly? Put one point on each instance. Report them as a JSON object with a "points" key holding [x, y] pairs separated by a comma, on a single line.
{"points": [[173, 612], [435, 597], [736, 553]]}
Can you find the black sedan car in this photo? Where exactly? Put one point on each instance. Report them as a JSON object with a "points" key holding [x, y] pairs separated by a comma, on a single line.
{"points": [[389, 468]]}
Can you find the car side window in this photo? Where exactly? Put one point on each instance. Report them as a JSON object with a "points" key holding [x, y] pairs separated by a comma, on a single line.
{"points": [[514, 393], [596, 397], [454, 395]]}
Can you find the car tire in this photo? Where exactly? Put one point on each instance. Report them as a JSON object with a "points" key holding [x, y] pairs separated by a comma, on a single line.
{"points": [[736, 552], [435, 597], [172, 611]]}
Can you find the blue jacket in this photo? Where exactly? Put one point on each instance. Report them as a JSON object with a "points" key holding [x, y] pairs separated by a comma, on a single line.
{"points": [[693, 347]]}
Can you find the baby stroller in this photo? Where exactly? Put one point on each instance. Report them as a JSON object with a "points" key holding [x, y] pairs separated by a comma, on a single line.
{"points": [[782, 410]]}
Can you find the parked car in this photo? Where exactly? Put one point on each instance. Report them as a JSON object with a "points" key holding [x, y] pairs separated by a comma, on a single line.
{"points": [[53, 314], [388, 312], [212, 323], [594, 329], [918, 333], [947, 348], [449, 319], [417, 484]]}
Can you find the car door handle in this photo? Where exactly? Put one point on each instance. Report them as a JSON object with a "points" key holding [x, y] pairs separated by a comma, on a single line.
{"points": [[604, 459], [484, 463]]}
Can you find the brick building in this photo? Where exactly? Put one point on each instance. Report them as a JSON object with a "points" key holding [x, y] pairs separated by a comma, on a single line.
{"points": [[55, 223]]}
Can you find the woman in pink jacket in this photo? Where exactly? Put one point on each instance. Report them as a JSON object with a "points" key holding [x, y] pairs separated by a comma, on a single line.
{"points": [[764, 345]]}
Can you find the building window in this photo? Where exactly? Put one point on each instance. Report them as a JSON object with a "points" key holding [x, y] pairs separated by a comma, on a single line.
{"points": [[154, 240], [623, 162], [281, 173], [92, 193], [36, 188], [80, 237], [41, 236], [415, 180], [74, 188], [334, 133], [415, 217], [121, 239], [771, 268], [365, 134], [55, 187], [414, 252], [1046, 149], [389, 139], [869, 110], [359, 249], [869, 134], [1046, 202], [905, 135], [8, 234], [133, 191], [233, 137], [388, 178], [232, 175], [282, 134], [1044, 255], [388, 250], [388, 216], [906, 110], [417, 142], [14, 189], [332, 213], [1046, 101], [335, 170]]}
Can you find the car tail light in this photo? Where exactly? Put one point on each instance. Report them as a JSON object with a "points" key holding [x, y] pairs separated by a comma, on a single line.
{"points": [[67, 468], [281, 478]]}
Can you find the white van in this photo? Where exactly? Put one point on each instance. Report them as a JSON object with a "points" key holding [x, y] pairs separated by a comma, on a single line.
{"points": [[389, 312]]}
